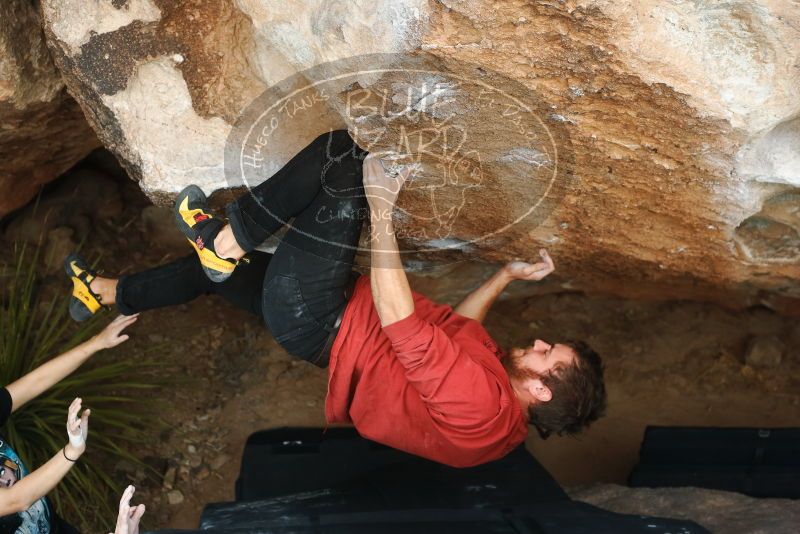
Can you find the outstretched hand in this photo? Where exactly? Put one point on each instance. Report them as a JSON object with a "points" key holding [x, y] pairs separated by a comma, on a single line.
{"points": [[380, 187], [77, 427], [112, 335], [520, 270], [129, 516]]}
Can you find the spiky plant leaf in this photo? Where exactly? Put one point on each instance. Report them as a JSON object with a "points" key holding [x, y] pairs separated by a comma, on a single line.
{"points": [[33, 330]]}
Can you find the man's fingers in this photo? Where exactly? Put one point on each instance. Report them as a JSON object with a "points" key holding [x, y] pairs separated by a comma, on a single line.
{"points": [[398, 183], [546, 257], [405, 173], [373, 161]]}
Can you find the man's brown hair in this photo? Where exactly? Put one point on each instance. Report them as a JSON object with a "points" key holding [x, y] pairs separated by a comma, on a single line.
{"points": [[578, 395]]}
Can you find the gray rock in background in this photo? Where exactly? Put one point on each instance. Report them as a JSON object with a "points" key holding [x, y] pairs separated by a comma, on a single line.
{"points": [[722, 512], [765, 352]]}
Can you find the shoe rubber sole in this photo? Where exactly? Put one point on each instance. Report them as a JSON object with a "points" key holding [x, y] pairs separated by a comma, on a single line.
{"points": [[217, 269], [83, 303]]}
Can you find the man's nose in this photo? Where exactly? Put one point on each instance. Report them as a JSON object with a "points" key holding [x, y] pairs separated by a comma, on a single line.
{"points": [[541, 345]]}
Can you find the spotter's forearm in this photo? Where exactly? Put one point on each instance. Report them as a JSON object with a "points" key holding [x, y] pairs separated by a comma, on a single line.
{"points": [[37, 484], [48, 374]]}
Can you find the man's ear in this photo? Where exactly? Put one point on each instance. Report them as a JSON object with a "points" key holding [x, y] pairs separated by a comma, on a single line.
{"points": [[539, 391]]}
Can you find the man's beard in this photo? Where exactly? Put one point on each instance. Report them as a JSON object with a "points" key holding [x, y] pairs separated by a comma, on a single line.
{"points": [[516, 370]]}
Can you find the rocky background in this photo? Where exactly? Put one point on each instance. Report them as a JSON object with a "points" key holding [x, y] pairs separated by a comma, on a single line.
{"points": [[718, 511], [660, 160], [43, 131], [674, 125]]}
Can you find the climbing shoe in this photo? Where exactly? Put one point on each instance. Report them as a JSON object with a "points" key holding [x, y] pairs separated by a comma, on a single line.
{"points": [[200, 228], [83, 302]]}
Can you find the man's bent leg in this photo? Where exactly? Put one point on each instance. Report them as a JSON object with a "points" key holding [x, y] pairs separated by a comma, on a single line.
{"points": [[270, 205], [304, 290]]}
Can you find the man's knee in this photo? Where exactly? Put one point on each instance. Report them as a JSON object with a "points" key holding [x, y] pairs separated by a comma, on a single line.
{"points": [[335, 138], [342, 143], [341, 136]]}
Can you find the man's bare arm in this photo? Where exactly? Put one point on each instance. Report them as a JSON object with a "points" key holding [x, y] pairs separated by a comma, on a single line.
{"points": [[390, 289], [477, 304]]}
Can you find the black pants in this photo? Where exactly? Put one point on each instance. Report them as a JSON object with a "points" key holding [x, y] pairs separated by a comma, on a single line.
{"points": [[300, 289]]}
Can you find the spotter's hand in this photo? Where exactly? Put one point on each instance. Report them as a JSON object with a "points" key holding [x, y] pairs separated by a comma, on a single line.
{"points": [[77, 427], [520, 270], [112, 335], [129, 516]]}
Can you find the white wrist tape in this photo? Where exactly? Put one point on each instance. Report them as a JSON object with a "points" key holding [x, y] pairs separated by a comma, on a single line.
{"points": [[76, 440]]}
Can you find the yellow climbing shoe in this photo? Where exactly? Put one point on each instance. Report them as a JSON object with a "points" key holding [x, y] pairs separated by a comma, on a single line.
{"points": [[200, 229], [83, 302]]}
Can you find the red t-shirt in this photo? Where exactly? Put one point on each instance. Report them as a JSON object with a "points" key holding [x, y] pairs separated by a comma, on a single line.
{"points": [[431, 384]]}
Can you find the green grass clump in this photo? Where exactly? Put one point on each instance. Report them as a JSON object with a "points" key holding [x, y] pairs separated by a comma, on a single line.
{"points": [[34, 329]]}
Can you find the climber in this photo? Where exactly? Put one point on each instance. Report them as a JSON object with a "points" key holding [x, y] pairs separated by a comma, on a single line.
{"points": [[407, 372], [24, 506]]}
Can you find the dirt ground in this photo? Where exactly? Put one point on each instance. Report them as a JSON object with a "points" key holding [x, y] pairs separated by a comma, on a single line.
{"points": [[675, 363]]}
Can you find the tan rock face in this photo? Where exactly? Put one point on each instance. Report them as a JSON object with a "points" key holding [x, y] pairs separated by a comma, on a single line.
{"points": [[42, 129], [652, 146]]}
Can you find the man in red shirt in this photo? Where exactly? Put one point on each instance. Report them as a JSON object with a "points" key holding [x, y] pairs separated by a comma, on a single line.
{"points": [[407, 372]]}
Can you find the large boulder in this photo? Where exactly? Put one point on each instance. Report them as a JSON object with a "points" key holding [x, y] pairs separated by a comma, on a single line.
{"points": [[42, 129], [652, 146], [718, 511]]}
